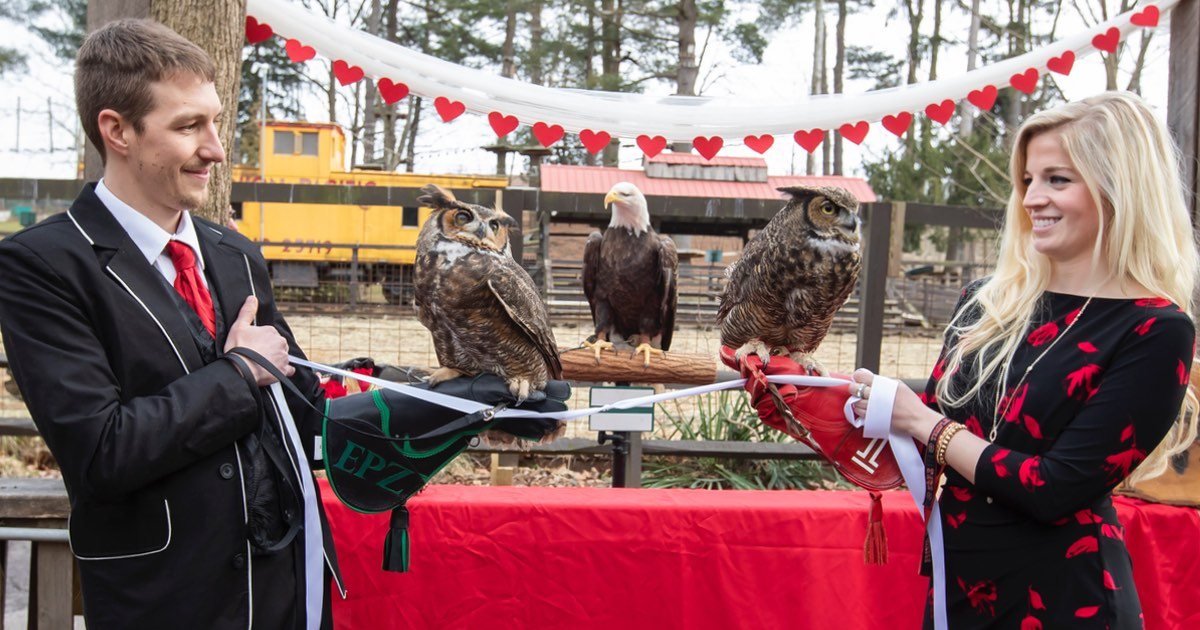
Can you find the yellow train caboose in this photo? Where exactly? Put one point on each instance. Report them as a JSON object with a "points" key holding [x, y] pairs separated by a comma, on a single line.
{"points": [[307, 244]]}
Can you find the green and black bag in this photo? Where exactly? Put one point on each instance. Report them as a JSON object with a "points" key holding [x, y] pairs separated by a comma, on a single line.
{"points": [[382, 447]]}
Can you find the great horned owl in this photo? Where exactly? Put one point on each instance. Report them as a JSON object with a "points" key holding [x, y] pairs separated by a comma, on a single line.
{"points": [[629, 276], [480, 305], [792, 277]]}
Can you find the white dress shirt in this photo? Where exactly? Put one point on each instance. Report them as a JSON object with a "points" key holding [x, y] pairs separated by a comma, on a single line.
{"points": [[151, 239]]}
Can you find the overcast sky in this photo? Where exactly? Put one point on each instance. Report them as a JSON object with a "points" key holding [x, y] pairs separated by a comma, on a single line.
{"points": [[783, 74]]}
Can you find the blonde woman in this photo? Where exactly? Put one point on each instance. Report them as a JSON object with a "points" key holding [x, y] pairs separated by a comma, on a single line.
{"points": [[1087, 323]]}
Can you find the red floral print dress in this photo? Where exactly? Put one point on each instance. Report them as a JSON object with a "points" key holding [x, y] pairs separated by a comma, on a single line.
{"points": [[1035, 542]]}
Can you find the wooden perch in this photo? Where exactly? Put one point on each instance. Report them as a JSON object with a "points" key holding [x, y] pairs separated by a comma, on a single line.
{"points": [[579, 365]]}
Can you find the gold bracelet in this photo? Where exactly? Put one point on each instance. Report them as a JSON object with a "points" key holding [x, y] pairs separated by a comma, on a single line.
{"points": [[944, 442]]}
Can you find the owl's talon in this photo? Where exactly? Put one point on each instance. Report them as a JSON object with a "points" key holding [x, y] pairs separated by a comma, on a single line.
{"points": [[647, 350], [597, 347], [443, 374], [809, 363], [519, 387], [757, 347]]}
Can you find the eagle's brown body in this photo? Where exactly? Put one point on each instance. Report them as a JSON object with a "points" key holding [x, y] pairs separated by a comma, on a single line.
{"points": [[629, 280]]}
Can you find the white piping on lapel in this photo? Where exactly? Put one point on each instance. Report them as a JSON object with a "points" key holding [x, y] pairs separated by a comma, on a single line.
{"points": [[85, 234]]}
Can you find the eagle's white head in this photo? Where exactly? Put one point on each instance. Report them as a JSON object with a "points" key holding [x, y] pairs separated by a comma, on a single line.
{"points": [[628, 208]]}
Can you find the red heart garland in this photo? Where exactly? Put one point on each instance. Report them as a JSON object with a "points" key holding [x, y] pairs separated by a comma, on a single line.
{"points": [[346, 73], [256, 32], [759, 143], [1025, 81], [651, 146], [810, 139], [708, 147], [897, 124], [547, 134], [984, 97], [1108, 40], [940, 112], [855, 132], [1148, 17], [502, 124], [298, 52], [391, 91], [594, 141], [448, 109], [1062, 64]]}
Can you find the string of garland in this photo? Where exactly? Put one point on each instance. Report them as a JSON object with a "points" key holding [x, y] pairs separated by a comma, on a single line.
{"points": [[807, 121]]}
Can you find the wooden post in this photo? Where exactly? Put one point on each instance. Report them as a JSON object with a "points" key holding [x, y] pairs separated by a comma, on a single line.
{"points": [[896, 240], [633, 460], [504, 465], [1183, 95], [54, 598], [873, 284]]}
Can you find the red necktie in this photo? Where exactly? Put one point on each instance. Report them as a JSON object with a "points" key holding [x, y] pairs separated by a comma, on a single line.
{"points": [[189, 285]]}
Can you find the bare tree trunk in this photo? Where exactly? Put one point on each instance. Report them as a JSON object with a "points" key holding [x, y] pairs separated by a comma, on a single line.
{"points": [[810, 166], [966, 111], [217, 26], [610, 57], [412, 125], [355, 130], [915, 13], [508, 61], [839, 72], [369, 103], [536, 33], [1135, 79], [390, 150], [688, 71]]}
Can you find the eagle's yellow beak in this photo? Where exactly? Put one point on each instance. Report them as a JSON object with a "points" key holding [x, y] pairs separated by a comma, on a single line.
{"points": [[609, 198]]}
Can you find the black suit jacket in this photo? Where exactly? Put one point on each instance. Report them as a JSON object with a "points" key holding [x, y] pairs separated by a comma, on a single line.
{"points": [[144, 431]]}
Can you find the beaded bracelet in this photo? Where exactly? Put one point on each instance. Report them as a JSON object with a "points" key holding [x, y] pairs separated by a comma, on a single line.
{"points": [[931, 445], [944, 442]]}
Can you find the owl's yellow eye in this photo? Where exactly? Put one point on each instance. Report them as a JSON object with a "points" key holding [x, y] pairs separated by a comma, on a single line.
{"points": [[827, 209], [462, 218]]}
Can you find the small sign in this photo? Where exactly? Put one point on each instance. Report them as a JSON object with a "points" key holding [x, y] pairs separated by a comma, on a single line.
{"points": [[634, 419]]}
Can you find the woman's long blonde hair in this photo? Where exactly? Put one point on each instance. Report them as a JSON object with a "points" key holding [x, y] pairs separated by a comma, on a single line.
{"points": [[1130, 166]]}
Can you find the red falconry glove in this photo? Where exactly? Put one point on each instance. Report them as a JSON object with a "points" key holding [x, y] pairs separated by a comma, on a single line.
{"points": [[816, 417]]}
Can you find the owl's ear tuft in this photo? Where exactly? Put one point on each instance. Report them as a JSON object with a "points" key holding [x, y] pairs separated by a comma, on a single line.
{"points": [[796, 193], [437, 197]]}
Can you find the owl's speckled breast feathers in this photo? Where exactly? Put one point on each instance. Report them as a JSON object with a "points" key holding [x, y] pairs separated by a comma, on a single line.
{"points": [[793, 275], [481, 307]]}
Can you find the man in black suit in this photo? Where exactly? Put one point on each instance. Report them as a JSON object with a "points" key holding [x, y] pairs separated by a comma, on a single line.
{"points": [[192, 501]]}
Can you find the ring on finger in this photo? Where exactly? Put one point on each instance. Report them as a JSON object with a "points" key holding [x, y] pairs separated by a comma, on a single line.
{"points": [[858, 393]]}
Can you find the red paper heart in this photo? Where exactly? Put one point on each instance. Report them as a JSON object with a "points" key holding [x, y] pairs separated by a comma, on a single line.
{"points": [[298, 52], [855, 132], [1148, 17], [594, 141], [256, 32], [940, 112], [1025, 81], [1108, 40], [810, 139], [547, 134], [897, 124], [1062, 64], [502, 124], [448, 109], [759, 143], [984, 97], [708, 147], [390, 91], [346, 73], [651, 146]]}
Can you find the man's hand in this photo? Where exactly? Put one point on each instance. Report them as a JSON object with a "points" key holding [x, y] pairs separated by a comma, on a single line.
{"points": [[264, 340]]}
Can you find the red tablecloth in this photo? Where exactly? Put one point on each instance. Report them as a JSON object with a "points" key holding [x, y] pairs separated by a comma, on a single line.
{"points": [[486, 557]]}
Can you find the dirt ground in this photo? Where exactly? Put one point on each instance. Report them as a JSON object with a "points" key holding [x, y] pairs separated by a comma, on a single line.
{"points": [[402, 340]]}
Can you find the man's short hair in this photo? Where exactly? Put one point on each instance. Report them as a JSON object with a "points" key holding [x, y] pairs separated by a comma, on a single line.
{"points": [[118, 63]]}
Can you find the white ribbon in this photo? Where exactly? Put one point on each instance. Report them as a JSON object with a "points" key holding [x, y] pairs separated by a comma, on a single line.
{"points": [[878, 424], [678, 118]]}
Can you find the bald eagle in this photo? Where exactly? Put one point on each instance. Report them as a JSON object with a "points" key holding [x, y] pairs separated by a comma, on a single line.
{"points": [[629, 276]]}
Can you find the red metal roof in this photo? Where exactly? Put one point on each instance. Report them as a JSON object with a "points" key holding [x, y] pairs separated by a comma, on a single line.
{"points": [[668, 157], [599, 179]]}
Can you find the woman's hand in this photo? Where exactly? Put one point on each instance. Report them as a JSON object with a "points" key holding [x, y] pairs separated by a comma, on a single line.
{"points": [[909, 414]]}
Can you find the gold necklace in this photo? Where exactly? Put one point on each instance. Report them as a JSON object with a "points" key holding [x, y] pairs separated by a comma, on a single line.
{"points": [[1004, 379]]}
